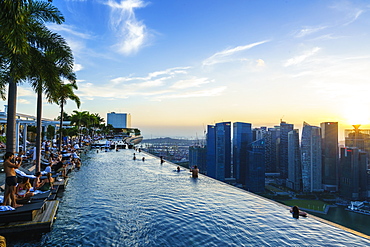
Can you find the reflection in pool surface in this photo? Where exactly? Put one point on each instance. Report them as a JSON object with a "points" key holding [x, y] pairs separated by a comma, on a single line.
{"points": [[116, 201]]}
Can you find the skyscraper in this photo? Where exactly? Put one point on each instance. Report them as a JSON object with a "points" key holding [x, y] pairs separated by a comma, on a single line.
{"points": [[294, 180], [330, 155], [255, 175], [272, 139], [198, 157], [242, 137], [283, 148], [353, 174], [219, 151], [311, 158], [211, 151]]}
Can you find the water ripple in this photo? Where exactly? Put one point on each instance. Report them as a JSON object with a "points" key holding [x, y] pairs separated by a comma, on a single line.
{"points": [[115, 201]]}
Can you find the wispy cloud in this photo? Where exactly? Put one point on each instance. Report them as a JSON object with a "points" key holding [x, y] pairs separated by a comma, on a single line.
{"points": [[157, 85], [69, 30], [299, 59], [354, 16], [23, 101], [224, 56], [201, 93], [133, 33], [22, 91], [351, 11], [171, 72], [190, 83], [308, 31]]}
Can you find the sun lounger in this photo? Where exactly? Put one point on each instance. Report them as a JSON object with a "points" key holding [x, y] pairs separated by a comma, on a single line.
{"points": [[25, 213], [35, 198]]}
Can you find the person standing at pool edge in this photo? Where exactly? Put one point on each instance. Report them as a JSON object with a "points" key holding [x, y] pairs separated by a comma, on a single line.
{"points": [[11, 178]]}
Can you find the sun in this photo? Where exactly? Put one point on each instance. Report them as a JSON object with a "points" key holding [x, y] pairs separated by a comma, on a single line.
{"points": [[357, 115]]}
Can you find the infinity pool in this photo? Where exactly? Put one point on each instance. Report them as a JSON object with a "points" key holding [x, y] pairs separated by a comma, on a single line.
{"points": [[116, 201]]}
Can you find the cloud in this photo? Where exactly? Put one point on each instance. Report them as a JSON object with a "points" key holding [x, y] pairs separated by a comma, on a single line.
{"points": [[309, 30], [194, 82], [224, 56], [299, 59], [192, 94], [157, 85], [77, 67], [24, 91], [350, 12], [354, 16], [23, 101], [69, 30], [168, 72], [133, 33]]}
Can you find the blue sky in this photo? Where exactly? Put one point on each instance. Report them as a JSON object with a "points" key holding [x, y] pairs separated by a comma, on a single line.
{"points": [[179, 65]]}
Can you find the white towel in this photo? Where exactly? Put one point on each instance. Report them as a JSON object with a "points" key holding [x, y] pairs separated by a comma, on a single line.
{"points": [[6, 208]]}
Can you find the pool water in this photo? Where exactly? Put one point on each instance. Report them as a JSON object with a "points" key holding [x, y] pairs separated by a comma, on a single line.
{"points": [[117, 201]]}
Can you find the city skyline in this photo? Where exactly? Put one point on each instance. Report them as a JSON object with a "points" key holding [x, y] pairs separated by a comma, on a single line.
{"points": [[178, 66]]}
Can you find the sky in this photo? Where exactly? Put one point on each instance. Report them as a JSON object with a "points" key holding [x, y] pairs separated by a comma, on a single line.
{"points": [[179, 65]]}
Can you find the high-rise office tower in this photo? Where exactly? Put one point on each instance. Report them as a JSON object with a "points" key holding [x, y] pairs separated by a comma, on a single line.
{"points": [[272, 139], [255, 175], [283, 149], [353, 174], [311, 158], [359, 138], [330, 155], [219, 151], [294, 180], [242, 137], [198, 157], [211, 151]]}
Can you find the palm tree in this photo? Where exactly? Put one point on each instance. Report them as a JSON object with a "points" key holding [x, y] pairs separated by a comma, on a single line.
{"points": [[45, 75], [21, 22], [65, 91], [80, 119]]}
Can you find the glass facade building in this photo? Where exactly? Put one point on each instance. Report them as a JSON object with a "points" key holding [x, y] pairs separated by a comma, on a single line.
{"points": [[242, 137], [294, 180], [255, 176], [353, 174], [198, 157], [211, 151], [283, 149], [311, 158], [219, 151], [330, 155]]}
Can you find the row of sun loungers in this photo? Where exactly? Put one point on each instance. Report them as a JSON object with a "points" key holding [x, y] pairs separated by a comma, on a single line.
{"points": [[37, 212]]}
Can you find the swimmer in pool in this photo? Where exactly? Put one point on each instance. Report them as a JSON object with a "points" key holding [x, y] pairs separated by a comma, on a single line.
{"points": [[194, 171]]}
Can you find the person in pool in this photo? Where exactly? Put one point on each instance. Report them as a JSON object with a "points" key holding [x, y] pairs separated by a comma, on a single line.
{"points": [[11, 178], [296, 212], [194, 172]]}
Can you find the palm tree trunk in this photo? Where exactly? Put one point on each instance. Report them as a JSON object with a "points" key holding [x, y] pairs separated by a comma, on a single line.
{"points": [[11, 116], [38, 130], [61, 126]]}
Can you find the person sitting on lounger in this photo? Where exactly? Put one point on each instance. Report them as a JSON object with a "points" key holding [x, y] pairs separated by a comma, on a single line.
{"points": [[37, 183], [23, 189], [48, 183], [63, 170], [11, 178]]}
